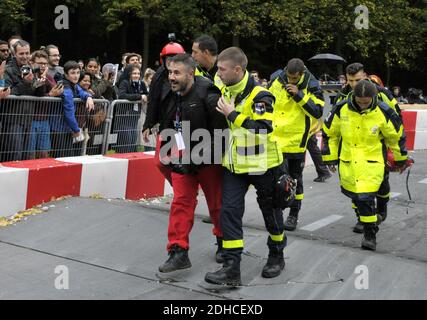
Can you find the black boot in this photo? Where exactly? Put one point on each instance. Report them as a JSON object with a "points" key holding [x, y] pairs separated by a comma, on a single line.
{"points": [[178, 259], [275, 265], [369, 241], [291, 222], [218, 255], [228, 275]]}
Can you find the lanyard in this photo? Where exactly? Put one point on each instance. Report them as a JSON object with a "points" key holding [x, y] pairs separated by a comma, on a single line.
{"points": [[178, 114]]}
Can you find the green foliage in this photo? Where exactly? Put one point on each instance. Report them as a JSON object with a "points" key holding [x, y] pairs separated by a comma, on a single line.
{"points": [[13, 15]]}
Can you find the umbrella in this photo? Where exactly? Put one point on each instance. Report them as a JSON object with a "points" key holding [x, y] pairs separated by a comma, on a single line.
{"points": [[327, 56]]}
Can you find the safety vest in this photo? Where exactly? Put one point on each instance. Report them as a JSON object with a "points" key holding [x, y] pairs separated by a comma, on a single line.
{"points": [[247, 151], [292, 124]]}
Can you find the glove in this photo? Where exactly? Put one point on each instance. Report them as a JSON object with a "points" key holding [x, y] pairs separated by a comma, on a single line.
{"points": [[401, 166]]}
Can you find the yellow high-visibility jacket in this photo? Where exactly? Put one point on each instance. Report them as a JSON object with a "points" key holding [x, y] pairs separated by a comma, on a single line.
{"points": [[356, 140], [216, 80], [294, 116], [251, 147]]}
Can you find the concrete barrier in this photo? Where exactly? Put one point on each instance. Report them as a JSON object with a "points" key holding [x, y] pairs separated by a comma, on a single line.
{"points": [[25, 184], [415, 124]]}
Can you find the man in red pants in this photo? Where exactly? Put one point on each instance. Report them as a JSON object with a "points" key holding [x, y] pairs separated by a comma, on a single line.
{"points": [[191, 159]]}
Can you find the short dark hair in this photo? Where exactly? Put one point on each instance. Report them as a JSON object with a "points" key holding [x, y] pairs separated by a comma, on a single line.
{"points": [[354, 68], [94, 60], [84, 74], [130, 55], [70, 65], [39, 54], [4, 42], [50, 47], [254, 71], [365, 88], [21, 43], [184, 58], [295, 65], [236, 55], [207, 43]]}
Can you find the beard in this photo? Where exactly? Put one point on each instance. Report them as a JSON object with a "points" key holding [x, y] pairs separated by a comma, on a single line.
{"points": [[177, 86]]}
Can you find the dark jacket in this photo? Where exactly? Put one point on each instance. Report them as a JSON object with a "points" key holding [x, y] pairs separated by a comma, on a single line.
{"points": [[17, 85], [198, 111], [13, 111], [158, 108], [103, 89], [131, 90]]}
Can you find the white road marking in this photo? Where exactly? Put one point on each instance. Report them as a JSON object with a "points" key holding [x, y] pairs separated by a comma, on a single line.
{"points": [[394, 195], [423, 181], [321, 223]]}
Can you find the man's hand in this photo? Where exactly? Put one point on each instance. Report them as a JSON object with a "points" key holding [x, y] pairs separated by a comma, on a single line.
{"points": [[332, 168], [29, 77], [2, 69], [146, 135], [4, 94], [144, 98], [224, 107], [292, 89], [106, 75], [56, 91], [76, 134], [89, 104]]}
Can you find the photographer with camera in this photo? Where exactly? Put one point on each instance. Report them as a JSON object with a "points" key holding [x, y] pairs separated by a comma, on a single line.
{"points": [[17, 117]]}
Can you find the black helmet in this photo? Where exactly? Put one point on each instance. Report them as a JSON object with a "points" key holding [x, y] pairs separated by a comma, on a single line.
{"points": [[285, 191]]}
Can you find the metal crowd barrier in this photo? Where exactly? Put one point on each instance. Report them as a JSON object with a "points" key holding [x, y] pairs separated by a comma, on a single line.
{"points": [[127, 119], [34, 127]]}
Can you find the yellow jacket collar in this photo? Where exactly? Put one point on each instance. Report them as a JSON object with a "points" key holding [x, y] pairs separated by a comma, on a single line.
{"points": [[234, 90]]}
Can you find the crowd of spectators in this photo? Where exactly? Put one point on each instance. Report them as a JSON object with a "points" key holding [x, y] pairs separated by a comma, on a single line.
{"points": [[56, 129]]}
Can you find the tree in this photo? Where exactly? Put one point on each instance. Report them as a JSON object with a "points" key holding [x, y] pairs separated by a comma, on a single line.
{"points": [[13, 16]]}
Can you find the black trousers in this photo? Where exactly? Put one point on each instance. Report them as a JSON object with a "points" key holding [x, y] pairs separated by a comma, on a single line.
{"points": [[382, 197], [295, 168], [234, 189], [63, 146], [316, 155], [366, 208]]}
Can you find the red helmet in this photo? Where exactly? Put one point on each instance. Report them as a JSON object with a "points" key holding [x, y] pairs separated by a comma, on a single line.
{"points": [[171, 49], [376, 79]]}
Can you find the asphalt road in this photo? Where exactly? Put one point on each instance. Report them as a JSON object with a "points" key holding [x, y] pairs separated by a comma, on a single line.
{"points": [[111, 249]]}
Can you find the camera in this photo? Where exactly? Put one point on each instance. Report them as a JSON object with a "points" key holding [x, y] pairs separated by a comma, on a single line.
{"points": [[171, 37], [37, 71], [26, 70]]}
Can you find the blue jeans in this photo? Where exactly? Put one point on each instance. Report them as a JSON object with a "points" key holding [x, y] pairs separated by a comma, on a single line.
{"points": [[40, 136]]}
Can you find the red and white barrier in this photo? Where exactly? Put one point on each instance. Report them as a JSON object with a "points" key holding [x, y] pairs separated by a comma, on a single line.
{"points": [[415, 124], [25, 184]]}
